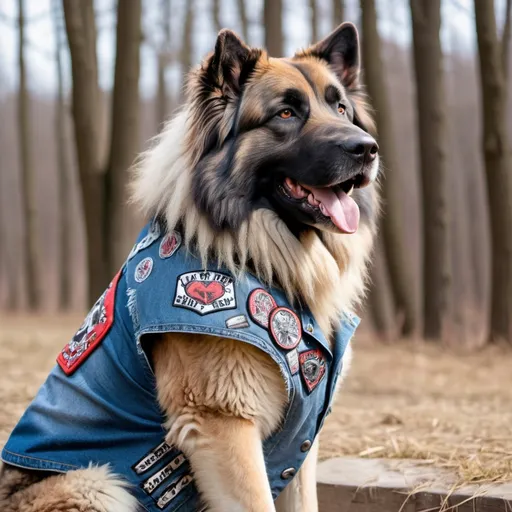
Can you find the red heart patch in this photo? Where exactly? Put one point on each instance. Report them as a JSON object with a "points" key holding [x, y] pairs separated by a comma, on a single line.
{"points": [[205, 292]]}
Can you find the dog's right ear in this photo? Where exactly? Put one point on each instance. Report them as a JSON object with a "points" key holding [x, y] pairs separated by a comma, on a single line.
{"points": [[232, 63]]}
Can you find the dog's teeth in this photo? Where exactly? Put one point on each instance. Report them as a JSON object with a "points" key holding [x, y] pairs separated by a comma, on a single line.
{"points": [[350, 191], [323, 210], [312, 201]]}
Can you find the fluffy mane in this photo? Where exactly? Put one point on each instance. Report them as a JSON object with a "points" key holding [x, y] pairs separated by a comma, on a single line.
{"points": [[326, 272]]}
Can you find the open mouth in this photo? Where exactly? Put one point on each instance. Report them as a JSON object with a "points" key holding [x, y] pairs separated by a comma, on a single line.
{"points": [[333, 203]]}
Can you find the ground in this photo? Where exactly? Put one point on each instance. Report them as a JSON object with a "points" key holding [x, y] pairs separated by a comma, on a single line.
{"points": [[403, 400]]}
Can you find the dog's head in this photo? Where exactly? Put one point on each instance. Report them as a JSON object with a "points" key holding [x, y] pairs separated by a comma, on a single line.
{"points": [[286, 134]]}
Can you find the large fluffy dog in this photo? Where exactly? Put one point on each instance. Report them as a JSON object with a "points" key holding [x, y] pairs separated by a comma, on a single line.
{"points": [[268, 172]]}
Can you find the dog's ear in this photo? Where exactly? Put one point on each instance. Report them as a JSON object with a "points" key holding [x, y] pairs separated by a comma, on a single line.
{"points": [[341, 50], [231, 63]]}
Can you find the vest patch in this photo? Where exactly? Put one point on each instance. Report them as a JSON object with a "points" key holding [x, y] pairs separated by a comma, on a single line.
{"points": [[260, 304], [94, 328], [312, 367], [293, 361], [285, 328], [205, 292], [237, 322], [151, 458], [161, 476], [152, 235], [169, 245], [173, 490], [143, 269]]}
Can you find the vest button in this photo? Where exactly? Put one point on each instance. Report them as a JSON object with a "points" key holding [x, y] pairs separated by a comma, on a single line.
{"points": [[305, 446], [288, 473], [309, 328]]}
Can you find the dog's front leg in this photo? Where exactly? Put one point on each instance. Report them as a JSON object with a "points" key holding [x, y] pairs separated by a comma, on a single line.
{"points": [[226, 456], [300, 494]]}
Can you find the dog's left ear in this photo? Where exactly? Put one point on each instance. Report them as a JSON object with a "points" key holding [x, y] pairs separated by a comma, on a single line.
{"points": [[231, 62], [341, 50]]}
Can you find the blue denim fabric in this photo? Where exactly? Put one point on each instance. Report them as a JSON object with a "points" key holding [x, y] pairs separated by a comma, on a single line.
{"points": [[107, 411]]}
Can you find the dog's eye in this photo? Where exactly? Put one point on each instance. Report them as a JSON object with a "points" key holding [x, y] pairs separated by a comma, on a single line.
{"points": [[341, 108], [286, 113]]}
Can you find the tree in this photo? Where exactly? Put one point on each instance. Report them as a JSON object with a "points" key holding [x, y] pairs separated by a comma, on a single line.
{"points": [[428, 66], [162, 108], [244, 22], [272, 20], [497, 165], [125, 131], [215, 14], [101, 204], [64, 222], [338, 12], [28, 185], [392, 229], [314, 20]]}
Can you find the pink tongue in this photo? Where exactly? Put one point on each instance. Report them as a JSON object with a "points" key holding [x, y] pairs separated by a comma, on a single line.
{"points": [[340, 207]]}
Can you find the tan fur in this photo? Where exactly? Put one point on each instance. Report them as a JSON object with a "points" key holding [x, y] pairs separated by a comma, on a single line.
{"points": [[88, 490]]}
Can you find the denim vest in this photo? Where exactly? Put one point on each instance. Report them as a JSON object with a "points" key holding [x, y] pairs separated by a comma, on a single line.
{"points": [[99, 402]]}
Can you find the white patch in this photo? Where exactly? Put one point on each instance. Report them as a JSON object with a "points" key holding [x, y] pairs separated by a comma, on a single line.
{"points": [[150, 459], [237, 322], [160, 476], [152, 235], [173, 490], [285, 328], [293, 361], [205, 292], [143, 269]]}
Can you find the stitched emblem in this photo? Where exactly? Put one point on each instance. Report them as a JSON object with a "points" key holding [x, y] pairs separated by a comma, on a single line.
{"points": [[173, 490], [94, 328], [237, 322], [312, 367], [169, 245], [143, 269], [161, 476], [151, 458], [293, 361], [260, 304], [205, 292], [285, 328], [152, 235]]}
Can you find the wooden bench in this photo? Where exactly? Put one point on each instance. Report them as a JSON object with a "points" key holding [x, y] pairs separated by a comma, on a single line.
{"points": [[388, 485]]}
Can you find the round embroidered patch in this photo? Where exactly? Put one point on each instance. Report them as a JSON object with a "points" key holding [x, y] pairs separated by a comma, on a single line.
{"points": [[143, 269], [169, 244], [260, 304], [152, 235], [312, 367], [285, 328]]}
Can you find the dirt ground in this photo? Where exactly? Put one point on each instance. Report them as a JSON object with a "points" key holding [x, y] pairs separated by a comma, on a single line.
{"points": [[401, 401]]}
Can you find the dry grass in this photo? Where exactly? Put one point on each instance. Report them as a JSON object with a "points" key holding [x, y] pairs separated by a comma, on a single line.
{"points": [[402, 401]]}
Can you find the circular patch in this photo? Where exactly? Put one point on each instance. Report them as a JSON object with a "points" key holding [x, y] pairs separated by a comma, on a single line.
{"points": [[260, 304], [143, 269], [169, 244], [285, 328]]}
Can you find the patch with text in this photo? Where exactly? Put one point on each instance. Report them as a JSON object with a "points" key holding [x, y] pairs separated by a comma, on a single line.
{"points": [[143, 269], [205, 292], [260, 304]]}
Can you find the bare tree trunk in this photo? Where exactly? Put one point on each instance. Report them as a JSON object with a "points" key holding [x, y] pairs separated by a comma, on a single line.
{"points": [[64, 186], [81, 32], [379, 298], [338, 12], [28, 184], [497, 166], [392, 229], [428, 64], [313, 11], [215, 14], [244, 22], [506, 39], [186, 48], [162, 107], [273, 22], [125, 131]]}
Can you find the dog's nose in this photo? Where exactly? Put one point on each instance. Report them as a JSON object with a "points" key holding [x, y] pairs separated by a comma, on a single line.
{"points": [[362, 148]]}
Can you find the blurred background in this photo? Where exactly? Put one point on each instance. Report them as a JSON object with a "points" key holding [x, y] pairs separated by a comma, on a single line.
{"points": [[433, 275]]}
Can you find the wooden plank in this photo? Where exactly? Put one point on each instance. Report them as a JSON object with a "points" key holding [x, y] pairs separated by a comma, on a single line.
{"points": [[384, 485]]}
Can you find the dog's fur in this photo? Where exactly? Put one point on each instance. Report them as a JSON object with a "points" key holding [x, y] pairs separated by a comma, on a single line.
{"points": [[213, 173]]}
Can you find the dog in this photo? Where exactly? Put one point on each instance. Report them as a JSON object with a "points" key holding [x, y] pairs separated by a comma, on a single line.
{"points": [[205, 372]]}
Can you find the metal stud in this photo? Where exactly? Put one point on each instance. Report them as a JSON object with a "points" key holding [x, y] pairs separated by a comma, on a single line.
{"points": [[288, 473], [305, 446], [309, 328]]}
